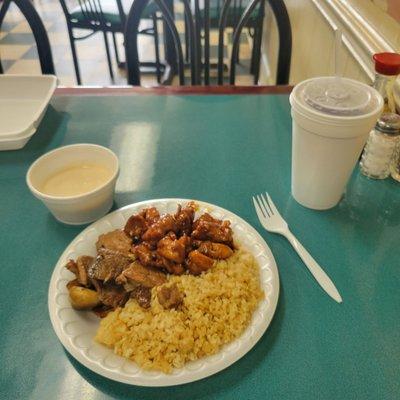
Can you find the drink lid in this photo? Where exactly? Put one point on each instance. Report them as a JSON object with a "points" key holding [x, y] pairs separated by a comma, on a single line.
{"points": [[336, 97]]}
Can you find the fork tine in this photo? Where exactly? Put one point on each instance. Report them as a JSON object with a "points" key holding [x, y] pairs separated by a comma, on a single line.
{"points": [[259, 210], [260, 207], [255, 203], [272, 205], [266, 205]]}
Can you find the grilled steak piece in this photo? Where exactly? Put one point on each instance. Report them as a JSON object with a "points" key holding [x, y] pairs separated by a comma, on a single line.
{"points": [[138, 275], [102, 310], [71, 266], [117, 241], [113, 295], [142, 295], [83, 263], [80, 268], [170, 296], [108, 265]]}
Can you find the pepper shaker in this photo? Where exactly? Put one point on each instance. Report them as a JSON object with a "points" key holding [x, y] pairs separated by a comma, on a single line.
{"points": [[381, 146]]}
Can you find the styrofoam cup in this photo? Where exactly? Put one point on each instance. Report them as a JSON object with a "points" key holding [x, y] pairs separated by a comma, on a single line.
{"points": [[83, 208], [328, 136]]}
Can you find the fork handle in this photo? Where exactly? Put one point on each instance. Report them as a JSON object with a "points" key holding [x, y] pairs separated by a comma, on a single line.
{"points": [[319, 274]]}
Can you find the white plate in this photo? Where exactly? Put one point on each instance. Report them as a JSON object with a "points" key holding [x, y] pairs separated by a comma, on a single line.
{"points": [[76, 329]]}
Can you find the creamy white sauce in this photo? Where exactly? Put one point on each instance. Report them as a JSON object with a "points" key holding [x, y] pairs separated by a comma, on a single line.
{"points": [[76, 179]]}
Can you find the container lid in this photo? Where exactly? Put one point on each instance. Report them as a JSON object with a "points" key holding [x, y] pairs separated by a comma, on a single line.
{"points": [[389, 123], [23, 99], [387, 63], [336, 98]]}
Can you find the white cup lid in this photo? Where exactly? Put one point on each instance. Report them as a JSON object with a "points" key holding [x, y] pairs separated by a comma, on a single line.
{"points": [[336, 97]]}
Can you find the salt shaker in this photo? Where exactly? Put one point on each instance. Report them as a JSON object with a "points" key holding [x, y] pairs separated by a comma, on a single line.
{"points": [[381, 146], [395, 167]]}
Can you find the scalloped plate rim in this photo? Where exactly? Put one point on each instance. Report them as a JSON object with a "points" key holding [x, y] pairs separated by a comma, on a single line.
{"points": [[166, 379]]}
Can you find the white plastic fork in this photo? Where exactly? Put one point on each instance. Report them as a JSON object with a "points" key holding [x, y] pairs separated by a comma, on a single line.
{"points": [[272, 221]]}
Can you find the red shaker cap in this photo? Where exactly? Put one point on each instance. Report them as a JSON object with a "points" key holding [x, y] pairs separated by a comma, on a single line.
{"points": [[387, 63]]}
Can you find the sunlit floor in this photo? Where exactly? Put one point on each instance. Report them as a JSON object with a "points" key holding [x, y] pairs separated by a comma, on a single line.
{"points": [[18, 52]]}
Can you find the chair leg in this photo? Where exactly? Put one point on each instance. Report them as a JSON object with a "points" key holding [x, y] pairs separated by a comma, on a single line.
{"points": [[238, 53], [74, 57], [256, 55], [156, 48], [115, 48], [186, 39], [253, 51], [108, 56]]}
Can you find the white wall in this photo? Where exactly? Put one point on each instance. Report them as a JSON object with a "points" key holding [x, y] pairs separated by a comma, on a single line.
{"points": [[366, 30]]}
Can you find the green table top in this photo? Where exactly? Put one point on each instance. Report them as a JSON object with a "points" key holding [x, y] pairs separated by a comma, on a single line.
{"points": [[220, 149]]}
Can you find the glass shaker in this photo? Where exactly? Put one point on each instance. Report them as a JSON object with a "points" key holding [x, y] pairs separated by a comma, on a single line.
{"points": [[381, 145], [395, 167]]}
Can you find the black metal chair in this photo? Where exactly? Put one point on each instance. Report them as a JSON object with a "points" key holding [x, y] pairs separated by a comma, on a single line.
{"points": [[38, 30], [106, 16], [254, 25], [198, 31]]}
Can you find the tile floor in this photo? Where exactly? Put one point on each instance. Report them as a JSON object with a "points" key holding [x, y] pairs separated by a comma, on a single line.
{"points": [[18, 52]]}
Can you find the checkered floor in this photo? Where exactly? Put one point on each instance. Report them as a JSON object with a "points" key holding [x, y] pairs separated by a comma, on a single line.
{"points": [[18, 52]]}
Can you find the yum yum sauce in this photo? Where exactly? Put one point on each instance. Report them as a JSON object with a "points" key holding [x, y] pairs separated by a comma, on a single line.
{"points": [[76, 180]]}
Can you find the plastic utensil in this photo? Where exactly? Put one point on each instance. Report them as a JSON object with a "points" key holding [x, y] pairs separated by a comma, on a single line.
{"points": [[272, 221]]}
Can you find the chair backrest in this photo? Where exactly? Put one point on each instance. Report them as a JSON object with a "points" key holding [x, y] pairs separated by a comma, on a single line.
{"points": [[92, 11], [38, 30], [198, 25]]}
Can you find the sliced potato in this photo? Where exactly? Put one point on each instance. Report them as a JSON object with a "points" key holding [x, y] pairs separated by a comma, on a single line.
{"points": [[83, 298]]}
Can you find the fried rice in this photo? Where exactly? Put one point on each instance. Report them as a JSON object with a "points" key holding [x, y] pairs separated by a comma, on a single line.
{"points": [[217, 308]]}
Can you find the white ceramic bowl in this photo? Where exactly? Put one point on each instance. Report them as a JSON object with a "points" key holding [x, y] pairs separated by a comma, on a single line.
{"points": [[83, 208]]}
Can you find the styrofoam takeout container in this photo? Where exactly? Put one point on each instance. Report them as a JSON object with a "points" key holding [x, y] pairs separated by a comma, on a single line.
{"points": [[23, 102]]}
